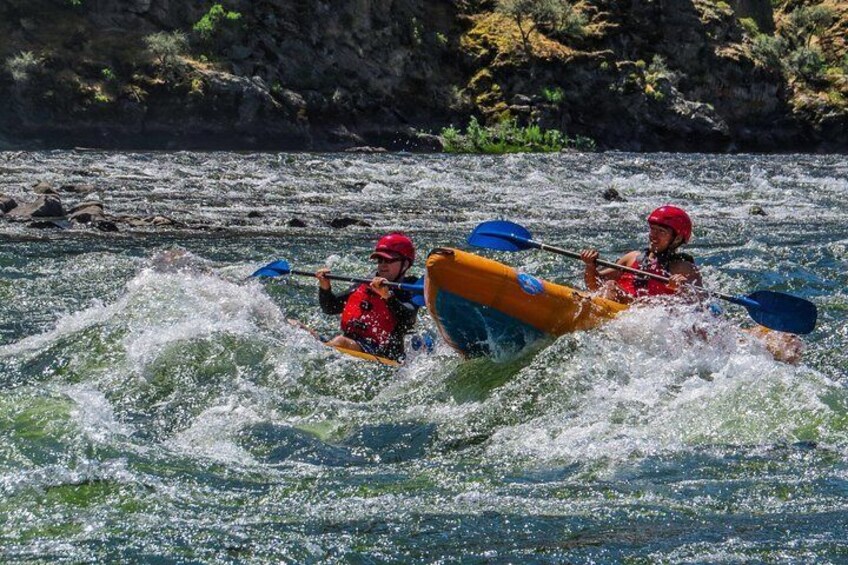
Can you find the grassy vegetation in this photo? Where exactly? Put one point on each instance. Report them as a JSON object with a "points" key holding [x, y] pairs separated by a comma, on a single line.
{"points": [[508, 137]]}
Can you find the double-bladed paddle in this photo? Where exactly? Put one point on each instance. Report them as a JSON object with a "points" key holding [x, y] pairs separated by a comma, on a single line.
{"points": [[281, 267], [775, 310]]}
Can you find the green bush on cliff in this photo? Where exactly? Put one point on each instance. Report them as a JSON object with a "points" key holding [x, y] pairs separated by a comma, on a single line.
{"points": [[658, 71], [805, 23], [23, 65], [211, 24], [553, 95], [166, 48], [807, 63], [750, 26], [792, 50], [555, 16], [769, 51], [508, 137]]}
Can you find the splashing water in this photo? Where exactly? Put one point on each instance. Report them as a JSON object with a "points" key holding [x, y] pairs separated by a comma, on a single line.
{"points": [[155, 405]]}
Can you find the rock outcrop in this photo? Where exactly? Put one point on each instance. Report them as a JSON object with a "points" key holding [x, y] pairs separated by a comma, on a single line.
{"points": [[286, 74]]}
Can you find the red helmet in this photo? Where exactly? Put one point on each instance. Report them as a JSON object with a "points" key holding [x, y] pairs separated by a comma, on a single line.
{"points": [[674, 218], [394, 244]]}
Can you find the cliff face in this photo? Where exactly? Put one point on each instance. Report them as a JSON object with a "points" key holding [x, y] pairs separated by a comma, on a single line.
{"points": [[633, 74]]}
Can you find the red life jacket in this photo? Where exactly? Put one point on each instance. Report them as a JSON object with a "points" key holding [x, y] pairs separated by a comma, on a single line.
{"points": [[367, 316], [639, 285]]}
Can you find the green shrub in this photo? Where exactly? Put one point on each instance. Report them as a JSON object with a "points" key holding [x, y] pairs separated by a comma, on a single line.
{"points": [[210, 25], [806, 22], [508, 137], [750, 26], [23, 65], [452, 140], [571, 23], [659, 68], [554, 95], [108, 74], [166, 47], [553, 16], [768, 51], [656, 72], [836, 98], [807, 63]]}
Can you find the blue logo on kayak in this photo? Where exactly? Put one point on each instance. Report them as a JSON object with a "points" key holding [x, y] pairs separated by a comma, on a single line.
{"points": [[530, 284]]}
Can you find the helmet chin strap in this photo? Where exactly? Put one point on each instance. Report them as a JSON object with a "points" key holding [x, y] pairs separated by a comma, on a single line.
{"points": [[406, 265], [672, 246], [675, 243]]}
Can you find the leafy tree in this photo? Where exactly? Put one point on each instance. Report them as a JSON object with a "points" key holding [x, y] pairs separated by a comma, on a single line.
{"points": [[555, 15], [805, 23], [166, 47]]}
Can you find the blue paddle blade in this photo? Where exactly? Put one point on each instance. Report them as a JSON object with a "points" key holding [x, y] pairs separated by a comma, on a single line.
{"points": [[275, 269], [781, 312], [501, 236]]}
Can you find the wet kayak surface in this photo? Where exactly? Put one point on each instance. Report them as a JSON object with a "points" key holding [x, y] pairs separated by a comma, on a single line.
{"points": [[154, 404]]}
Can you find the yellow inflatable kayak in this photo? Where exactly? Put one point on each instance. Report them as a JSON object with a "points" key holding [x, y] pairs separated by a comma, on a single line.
{"points": [[350, 352], [367, 356], [482, 307]]}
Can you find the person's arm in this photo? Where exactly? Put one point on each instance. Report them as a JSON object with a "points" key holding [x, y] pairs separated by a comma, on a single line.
{"points": [[591, 276], [399, 303], [683, 276], [329, 302], [594, 277]]}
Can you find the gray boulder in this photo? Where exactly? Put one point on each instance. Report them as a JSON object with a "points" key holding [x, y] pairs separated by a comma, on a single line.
{"points": [[7, 203], [44, 187], [45, 206], [87, 215]]}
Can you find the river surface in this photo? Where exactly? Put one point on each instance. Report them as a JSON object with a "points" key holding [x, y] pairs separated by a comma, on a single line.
{"points": [[156, 407]]}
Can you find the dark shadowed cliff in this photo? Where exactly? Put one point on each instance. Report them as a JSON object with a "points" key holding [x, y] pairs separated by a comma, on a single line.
{"points": [[677, 75]]}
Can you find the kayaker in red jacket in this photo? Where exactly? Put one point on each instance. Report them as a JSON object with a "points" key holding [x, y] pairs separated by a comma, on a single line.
{"points": [[375, 318], [670, 227]]}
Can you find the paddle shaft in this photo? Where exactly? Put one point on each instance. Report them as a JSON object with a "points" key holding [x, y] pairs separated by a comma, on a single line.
{"points": [[610, 264], [402, 286]]}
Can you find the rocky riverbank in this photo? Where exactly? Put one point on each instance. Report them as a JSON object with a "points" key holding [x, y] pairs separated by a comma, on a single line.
{"points": [[677, 75]]}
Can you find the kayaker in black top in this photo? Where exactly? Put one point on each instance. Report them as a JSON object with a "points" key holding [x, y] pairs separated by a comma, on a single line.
{"points": [[375, 318]]}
